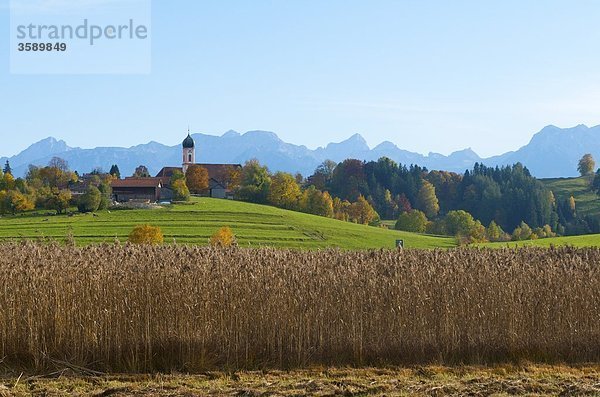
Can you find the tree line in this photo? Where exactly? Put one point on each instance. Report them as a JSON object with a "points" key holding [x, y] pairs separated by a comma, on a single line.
{"points": [[484, 203], [51, 187]]}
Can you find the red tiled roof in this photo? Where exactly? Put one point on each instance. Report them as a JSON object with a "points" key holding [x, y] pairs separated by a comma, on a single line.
{"points": [[136, 182], [214, 170]]}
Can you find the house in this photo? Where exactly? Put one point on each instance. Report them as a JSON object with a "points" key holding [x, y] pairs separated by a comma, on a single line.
{"points": [[84, 181], [220, 176], [136, 189]]}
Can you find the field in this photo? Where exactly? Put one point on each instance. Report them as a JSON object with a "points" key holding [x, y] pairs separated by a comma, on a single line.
{"points": [[254, 225], [587, 202], [131, 309], [502, 380]]}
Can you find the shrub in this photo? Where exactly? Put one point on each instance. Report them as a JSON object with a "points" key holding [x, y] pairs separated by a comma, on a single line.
{"points": [[362, 212], [414, 221], [146, 234], [522, 232], [90, 200], [223, 237], [180, 190], [462, 225], [495, 233]]}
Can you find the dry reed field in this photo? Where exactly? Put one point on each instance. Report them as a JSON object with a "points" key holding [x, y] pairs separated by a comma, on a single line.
{"points": [[142, 309]]}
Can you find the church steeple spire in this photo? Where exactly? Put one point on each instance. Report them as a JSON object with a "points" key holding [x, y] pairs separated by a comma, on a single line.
{"points": [[189, 151]]}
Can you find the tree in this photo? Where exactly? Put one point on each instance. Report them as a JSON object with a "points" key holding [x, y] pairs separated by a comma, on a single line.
{"points": [[390, 206], [362, 212], [90, 200], [322, 175], [413, 221], [255, 182], [176, 176], [403, 203], [596, 182], [348, 181], [7, 182], [58, 200], [427, 200], [231, 177], [522, 232], [544, 232], [7, 169], [495, 233], [114, 171], [223, 237], [572, 204], [196, 179], [146, 234], [341, 209], [14, 201], [105, 195], [180, 190], [141, 172], [284, 191], [315, 202], [586, 165], [462, 225], [459, 223], [57, 173]]}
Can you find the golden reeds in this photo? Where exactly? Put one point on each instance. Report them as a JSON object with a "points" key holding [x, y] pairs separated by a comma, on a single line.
{"points": [[147, 308]]}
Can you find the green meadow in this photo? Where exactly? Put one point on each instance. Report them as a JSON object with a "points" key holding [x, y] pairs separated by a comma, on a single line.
{"points": [[586, 201], [253, 225]]}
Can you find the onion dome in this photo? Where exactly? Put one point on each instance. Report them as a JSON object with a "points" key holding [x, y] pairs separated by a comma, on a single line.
{"points": [[188, 142]]}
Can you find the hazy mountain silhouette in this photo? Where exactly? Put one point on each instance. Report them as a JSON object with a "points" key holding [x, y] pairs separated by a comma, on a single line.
{"points": [[552, 152]]}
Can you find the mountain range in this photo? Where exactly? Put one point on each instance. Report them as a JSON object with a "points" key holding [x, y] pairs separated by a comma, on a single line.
{"points": [[552, 152]]}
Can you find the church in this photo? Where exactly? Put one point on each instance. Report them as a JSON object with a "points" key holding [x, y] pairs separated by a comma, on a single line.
{"points": [[221, 177]]}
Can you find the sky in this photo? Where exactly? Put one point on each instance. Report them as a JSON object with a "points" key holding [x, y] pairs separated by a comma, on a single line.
{"points": [[430, 76]]}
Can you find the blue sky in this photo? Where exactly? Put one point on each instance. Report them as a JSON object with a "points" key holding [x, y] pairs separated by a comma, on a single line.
{"points": [[427, 75]]}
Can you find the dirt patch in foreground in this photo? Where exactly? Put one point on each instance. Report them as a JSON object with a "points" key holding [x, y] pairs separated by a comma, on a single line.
{"points": [[505, 380]]}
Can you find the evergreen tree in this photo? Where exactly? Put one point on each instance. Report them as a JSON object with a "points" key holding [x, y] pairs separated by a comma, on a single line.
{"points": [[114, 171], [7, 169]]}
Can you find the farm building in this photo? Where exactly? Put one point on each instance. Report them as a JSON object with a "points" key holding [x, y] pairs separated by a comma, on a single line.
{"points": [[136, 189]]}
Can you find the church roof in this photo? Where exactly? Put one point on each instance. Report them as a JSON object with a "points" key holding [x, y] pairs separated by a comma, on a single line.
{"points": [[215, 171], [188, 142], [136, 182]]}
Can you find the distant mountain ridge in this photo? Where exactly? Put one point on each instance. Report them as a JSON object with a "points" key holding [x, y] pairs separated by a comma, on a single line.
{"points": [[552, 152]]}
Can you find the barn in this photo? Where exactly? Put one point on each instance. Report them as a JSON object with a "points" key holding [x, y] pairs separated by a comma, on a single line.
{"points": [[136, 189]]}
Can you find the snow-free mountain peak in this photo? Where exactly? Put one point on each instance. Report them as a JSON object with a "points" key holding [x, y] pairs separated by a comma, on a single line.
{"points": [[552, 152]]}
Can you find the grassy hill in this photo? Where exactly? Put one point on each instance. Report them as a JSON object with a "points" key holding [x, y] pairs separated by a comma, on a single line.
{"points": [[586, 201], [253, 225]]}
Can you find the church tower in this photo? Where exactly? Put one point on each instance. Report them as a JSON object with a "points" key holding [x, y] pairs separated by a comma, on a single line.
{"points": [[189, 152]]}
